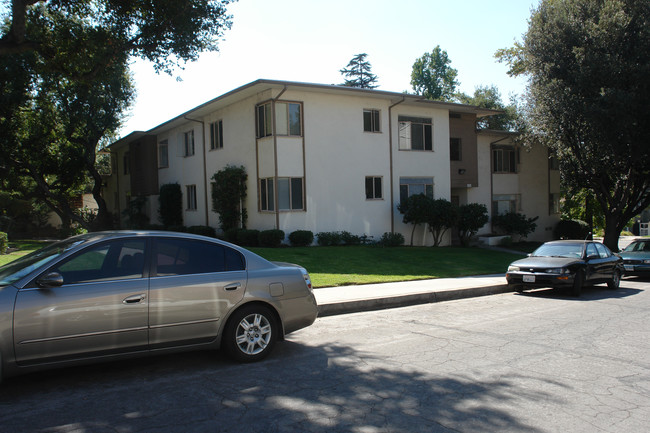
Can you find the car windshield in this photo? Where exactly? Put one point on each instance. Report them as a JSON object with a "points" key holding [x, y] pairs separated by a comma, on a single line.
{"points": [[638, 246], [559, 250], [14, 271]]}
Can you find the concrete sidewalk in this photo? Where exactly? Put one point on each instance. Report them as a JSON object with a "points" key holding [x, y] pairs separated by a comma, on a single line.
{"points": [[368, 297]]}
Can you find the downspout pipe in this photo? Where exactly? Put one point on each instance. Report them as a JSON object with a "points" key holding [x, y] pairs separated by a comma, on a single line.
{"points": [[390, 157], [205, 168], [275, 160]]}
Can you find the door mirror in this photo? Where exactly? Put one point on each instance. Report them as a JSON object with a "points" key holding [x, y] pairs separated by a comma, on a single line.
{"points": [[53, 279]]}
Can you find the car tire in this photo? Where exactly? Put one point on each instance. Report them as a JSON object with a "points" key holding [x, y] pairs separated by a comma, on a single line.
{"points": [[578, 282], [250, 334], [615, 281], [519, 289]]}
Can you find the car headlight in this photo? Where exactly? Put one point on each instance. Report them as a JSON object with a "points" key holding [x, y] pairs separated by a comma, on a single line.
{"points": [[557, 271], [512, 268], [646, 262]]}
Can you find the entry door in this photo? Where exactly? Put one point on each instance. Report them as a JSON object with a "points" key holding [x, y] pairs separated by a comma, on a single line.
{"points": [[100, 309], [194, 284]]}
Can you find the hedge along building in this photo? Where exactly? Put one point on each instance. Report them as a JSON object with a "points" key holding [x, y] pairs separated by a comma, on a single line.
{"points": [[325, 158]]}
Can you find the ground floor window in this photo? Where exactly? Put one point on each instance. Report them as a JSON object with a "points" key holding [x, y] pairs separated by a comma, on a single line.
{"points": [[374, 188], [554, 203], [190, 192], [289, 190], [409, 186], [505, 203]]}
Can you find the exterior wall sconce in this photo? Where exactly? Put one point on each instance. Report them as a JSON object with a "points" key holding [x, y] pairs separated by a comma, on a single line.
{"points": [[461, 171]]}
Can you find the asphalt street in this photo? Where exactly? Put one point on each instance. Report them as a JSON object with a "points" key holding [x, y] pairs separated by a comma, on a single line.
{"points": [[537, 362]]}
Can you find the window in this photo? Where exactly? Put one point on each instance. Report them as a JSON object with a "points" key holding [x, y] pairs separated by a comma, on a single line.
{"points": [[371, 121], [554, 203], [117, 260], [190, 191], [603, 251], [288, 118], [415, 133], [553, 163], [216, 135], [455, 150], [264, 126], [505, 203], [127, 163], [163, 154], [188, 143], [185, 257], [373, 188], [409, 186], [289, 190], [504, 160]]}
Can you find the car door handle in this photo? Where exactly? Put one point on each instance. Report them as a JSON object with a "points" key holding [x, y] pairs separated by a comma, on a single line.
{"points": [[233, 286], [135, 299]]}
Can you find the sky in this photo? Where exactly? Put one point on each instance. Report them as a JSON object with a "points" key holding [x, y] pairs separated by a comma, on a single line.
{"points": [[312, 40]]}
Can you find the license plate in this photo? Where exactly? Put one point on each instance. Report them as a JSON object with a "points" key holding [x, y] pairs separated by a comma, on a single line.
{"points": [[529, 278], [628, 267]]}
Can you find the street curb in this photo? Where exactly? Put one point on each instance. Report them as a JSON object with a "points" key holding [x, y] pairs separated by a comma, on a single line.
{"points": [[408, 300]]}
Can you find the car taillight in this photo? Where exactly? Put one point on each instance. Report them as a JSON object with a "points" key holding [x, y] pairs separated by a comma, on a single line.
{"points": [[305, 275]]}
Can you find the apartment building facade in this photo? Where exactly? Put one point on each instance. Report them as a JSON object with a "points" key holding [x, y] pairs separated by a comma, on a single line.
{"points": [[331, 158]]}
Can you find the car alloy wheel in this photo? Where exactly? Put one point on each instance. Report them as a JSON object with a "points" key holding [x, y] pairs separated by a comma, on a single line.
{"points": [[250, 334], [615, 281]]}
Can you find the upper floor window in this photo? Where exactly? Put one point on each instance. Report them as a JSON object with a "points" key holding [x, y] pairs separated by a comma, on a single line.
{"points": [[216, 135], [554, 203], [373, 188], [163, 154], [190, 192], [127, 163], [409, 186], [415, 133], [504, 159], [371, 121], [288, 119], [188, 143], [455, 149]]}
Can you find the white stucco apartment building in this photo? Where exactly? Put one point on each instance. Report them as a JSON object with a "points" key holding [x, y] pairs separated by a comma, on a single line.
{"points": [[333, 158]]}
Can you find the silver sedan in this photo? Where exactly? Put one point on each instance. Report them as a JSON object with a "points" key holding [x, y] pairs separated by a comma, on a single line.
{"points": [[109, 295]]}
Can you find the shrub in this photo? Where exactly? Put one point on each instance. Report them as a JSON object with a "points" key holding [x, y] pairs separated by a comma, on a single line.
{"points": [[271, 238], [513, 223], [229, 195], [179, 228], [571, 229], [171, 205], [471, 217], [203, 231], [327, 239], [391, 239], [348, 238], [4, 242], [248, 238], [301, 238]]}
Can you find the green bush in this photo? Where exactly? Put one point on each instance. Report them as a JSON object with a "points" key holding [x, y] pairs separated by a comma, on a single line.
{"points": [[329, 239], [471, 217], [171, 205], [203, 231], [348, 238], [513, 223], [301, 238], [248, 238], [271, 238], [571, 229], [391, 240], [4, 242]]}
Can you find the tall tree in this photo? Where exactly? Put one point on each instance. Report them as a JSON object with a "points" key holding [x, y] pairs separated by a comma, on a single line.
{"points": [[64, 82], [588, 63], [490, 97], [358, 73], [433, 77]]}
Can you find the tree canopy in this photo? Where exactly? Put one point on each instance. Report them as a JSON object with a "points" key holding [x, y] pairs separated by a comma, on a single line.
{"points": [[65, 84], [490, 97], [433, 77], [358, 73], [588, 64]]}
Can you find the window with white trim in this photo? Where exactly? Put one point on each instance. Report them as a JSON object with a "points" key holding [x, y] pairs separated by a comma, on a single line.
{"points": [[504, 159], [374, 188], [190, 192], [188, 143], [264, 120], [371, 121], [216, 135], [415, 133], [409, 186], [288, 118]]}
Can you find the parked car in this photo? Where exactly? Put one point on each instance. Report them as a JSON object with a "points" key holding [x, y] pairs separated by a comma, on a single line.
{"points": [[103, 296], [636, 258], [569, 264]]}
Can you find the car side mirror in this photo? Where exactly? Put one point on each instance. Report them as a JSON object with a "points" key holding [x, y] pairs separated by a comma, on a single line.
{"points": [[593, 256], [53, 279]]}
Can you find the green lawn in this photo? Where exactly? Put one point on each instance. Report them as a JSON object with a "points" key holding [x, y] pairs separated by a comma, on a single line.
{"points": [[338, 266]]}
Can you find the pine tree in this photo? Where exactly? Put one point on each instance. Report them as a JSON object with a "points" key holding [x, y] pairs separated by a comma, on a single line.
{"points": [[358, 73]]}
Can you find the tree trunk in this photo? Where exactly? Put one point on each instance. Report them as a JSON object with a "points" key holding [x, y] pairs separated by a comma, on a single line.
{"points": [[613, 227]]}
